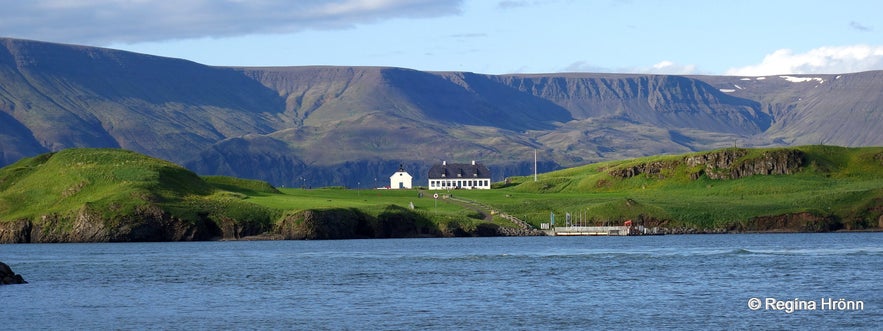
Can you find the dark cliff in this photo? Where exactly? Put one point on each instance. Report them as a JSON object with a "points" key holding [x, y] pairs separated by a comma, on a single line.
{"points": [[734, 164], [722, 164], [146, 224]]}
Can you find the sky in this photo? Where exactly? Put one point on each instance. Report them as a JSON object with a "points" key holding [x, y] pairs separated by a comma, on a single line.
{"points": [[705, 37]]}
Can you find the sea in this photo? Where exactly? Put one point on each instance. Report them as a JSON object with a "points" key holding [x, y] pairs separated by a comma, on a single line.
{"points": [[693, 282]]}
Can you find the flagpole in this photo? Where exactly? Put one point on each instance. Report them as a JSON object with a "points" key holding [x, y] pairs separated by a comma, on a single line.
{"points": [[534, 164]]}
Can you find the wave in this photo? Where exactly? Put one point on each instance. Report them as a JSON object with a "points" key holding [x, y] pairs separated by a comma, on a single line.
{"points": [[851, 251], [697, 252]]}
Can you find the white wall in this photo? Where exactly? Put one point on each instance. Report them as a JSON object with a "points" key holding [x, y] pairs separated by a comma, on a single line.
{"points": [[400, 179], [461, 183]]}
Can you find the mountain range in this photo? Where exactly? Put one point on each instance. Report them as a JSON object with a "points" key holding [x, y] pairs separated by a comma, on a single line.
{"points": [[354, 126]]}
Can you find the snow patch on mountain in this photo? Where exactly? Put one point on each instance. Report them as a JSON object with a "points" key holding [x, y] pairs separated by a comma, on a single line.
{"points": [[802, 79]]}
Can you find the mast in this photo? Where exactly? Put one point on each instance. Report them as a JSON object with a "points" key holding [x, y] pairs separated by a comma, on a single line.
{"points": [[534, 164]]}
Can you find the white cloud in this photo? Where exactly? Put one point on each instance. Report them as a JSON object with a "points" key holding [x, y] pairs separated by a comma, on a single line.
{"points": [[823, 60], [105, 22], [661, 68], [671, 68], [583, 66]]}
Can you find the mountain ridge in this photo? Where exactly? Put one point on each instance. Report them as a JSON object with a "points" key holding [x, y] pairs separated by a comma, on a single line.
{"points": [[352, 125]]}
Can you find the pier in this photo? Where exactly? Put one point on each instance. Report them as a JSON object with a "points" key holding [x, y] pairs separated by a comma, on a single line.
{"points": [[591, 231], [623, 230]]}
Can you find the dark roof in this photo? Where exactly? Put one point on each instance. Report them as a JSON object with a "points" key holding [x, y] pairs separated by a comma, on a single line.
{"points": [[464, 170]]}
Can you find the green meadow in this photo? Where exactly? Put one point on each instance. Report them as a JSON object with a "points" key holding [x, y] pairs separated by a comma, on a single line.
{"points": [[841, 184]]}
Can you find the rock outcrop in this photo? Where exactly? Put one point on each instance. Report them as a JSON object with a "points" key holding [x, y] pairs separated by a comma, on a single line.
{"points": [[153, 224], [651, 169], [797, 222], [146, 224], [8, 277], [340, 223], [723, 164], [732, 164]]}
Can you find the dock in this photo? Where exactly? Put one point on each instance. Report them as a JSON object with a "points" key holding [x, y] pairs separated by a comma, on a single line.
{"points": [[600, 231], [591, 231]]}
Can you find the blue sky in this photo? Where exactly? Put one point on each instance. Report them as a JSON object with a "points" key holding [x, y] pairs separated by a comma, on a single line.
{"points": [[745, 37]]}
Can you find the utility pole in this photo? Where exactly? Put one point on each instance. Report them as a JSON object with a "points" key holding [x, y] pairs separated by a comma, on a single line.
{"points": [[534, 164]]}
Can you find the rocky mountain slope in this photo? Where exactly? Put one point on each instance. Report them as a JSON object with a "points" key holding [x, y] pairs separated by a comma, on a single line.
{"points": [[353, 126]]}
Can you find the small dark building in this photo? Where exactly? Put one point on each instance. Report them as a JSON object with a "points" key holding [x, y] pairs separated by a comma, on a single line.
{"points": [[446, 176]]}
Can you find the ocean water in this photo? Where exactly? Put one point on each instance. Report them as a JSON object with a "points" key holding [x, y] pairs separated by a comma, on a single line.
{"points": [[749, 281]]}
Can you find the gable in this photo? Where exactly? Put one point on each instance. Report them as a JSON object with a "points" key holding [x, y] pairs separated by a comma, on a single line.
{"points": [[401, 175]]}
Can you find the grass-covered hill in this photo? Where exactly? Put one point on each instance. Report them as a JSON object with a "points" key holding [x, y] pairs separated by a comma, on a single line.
{"points": [[84, 195], [809, 188], [99, 195]]}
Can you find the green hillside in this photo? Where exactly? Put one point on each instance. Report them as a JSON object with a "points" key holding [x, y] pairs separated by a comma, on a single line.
{"points": [[84, 195], [81, 195], [111, 189], [105, 179], [826, 188]]}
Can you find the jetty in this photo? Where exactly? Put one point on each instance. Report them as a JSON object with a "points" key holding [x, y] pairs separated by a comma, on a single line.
{"points": [[627, 229], [591, 231]]}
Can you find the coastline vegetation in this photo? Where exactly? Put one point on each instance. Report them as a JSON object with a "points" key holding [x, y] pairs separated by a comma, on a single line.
{"points": [[845, 184], [841, 185]]}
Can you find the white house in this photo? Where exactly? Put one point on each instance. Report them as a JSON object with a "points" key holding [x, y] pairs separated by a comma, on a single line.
{"points": [[400, 179], [459, 176]]}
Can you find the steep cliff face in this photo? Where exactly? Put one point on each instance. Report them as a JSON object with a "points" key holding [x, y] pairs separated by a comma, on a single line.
{"points": [[664, 101], [396, 222], [146, 224], [330, 224], [153, 224]]}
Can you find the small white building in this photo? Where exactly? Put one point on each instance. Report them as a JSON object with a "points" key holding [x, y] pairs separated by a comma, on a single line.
{"points": [[400, 179], [459, 176]]}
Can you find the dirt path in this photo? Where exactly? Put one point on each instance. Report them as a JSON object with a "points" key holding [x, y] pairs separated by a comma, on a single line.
{"points": [[483, 210]]}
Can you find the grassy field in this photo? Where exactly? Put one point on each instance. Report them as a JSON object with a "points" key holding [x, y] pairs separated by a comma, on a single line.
{"points": [[843, 183], [846, 183], [117, 182], [111, 180]]}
